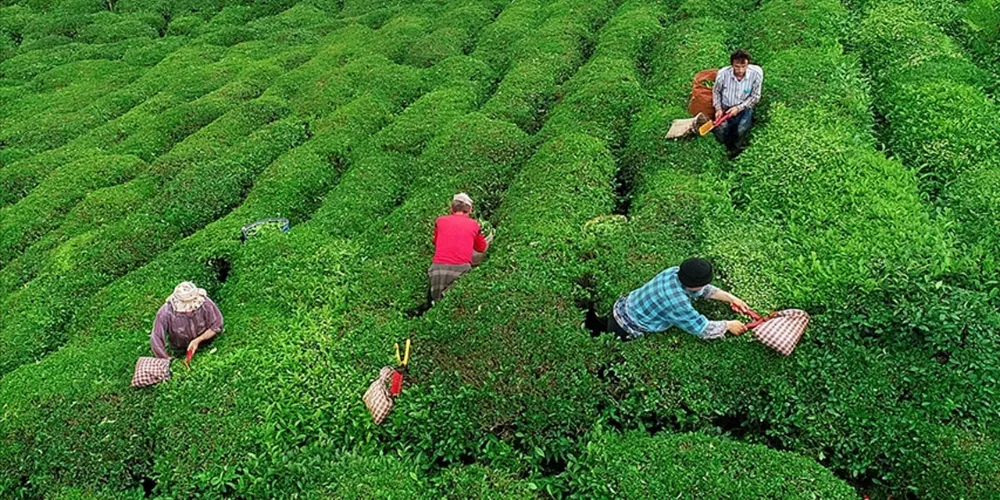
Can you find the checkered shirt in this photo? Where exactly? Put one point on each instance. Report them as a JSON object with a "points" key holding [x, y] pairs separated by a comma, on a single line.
{"points": [[663, 302]]}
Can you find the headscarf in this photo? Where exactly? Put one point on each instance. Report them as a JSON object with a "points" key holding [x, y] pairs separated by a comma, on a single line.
{"points": [[187, 297]]}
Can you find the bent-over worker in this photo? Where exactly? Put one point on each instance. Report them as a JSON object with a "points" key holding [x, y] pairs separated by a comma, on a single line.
{"points": [[665, 301], [458, 243], [736, 92], [188, 320]]}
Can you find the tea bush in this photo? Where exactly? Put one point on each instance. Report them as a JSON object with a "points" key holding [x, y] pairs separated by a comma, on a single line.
{"points": [[526, 380], [42, 208], [291, 184], [982, 37], [91, 260], [784, 206], [147, 132], [333, 123], [545, 61], [140, 136], [635, 465], [941, 125]]}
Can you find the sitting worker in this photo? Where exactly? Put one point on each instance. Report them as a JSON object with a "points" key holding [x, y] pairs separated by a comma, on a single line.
{"points": [[665, 301], [458, 243], [736, 92], [187, 321]]}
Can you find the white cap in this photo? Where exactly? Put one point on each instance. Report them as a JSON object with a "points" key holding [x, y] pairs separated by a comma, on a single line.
{"points": [[462, 197]]}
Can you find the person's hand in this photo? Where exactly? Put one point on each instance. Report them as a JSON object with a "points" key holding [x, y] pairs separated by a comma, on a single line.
{"points": [[193, 347], [735, 327], [739, 306], [733, 111], [489, 237], [718, 114]]}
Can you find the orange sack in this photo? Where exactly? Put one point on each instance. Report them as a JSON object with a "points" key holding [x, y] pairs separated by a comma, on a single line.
{"points": [[701, 93]]}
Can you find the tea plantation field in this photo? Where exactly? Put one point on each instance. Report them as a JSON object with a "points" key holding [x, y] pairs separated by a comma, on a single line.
{"points": [[137, 138]]}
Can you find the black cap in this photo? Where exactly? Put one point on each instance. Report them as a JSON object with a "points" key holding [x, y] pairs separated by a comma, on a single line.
{"points": [[695, 272]]}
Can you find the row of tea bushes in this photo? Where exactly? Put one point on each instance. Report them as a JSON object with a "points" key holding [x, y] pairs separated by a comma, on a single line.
{"points": [[37, 313], [302, 272], [635, 465], [769, 251], [541, 63], [106, 334], [939, 121], [196, 98], [123, 235]]}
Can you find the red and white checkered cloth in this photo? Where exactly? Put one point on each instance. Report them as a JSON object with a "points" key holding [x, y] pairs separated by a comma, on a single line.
{"points": [[782, 330], [149, 371], [377, 397]]}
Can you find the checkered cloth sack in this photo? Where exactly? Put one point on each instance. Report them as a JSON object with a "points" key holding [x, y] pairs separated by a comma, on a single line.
{"points": [[149, 371], [377, 397], [782, 330]]}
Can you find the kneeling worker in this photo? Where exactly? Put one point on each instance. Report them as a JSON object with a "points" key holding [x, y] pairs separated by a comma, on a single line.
{"points": [[665, 301], [188, 320], [458, 244]]}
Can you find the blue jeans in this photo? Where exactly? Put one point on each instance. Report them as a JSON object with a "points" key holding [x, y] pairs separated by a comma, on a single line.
{"points": [[733, 132]]}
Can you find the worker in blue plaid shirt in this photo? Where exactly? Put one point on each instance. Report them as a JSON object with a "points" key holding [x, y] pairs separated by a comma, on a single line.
{"points": [[665, 301]]}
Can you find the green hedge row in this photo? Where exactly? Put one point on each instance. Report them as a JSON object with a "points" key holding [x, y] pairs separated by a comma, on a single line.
{"points": [[455, 33], [670, 184], [99, 208], [379, 75], [491, 371], [209, 249], [109, 322], [272, 410], [196, 196], [165, 127], [154, 127], [604, 94], [51, 131], [512, 387], [636, 465], [939, 122], [25, 66], [542, 62], [322, 278], [517, 21], [474, 154], [152, 130], [385, 169], [299, 24], [676, 187], [45, 207], [382, 168], [177, 158], [71, 419], [39, 121], [982, 36], [475, 148], [811, 183]]}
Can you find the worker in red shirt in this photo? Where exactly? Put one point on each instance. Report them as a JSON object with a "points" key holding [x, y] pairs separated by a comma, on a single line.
{"points": [[458, 244]]}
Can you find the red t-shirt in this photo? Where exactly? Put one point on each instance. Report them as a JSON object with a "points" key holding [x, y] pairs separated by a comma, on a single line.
{"points": [[455, 237]]}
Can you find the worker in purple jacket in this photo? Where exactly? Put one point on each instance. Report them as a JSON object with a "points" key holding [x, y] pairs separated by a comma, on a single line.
{"points": [[188, 320]]}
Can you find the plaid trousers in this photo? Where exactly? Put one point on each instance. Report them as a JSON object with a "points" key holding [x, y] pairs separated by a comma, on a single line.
{"points": [[441, 277]]}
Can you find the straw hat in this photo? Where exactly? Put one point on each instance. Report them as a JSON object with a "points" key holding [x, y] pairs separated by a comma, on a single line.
{"points": [[187, 297]]}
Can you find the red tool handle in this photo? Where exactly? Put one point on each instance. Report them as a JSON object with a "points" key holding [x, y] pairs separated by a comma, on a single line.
{"points": [[397, 383], [725, 117], [757, 319]]}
